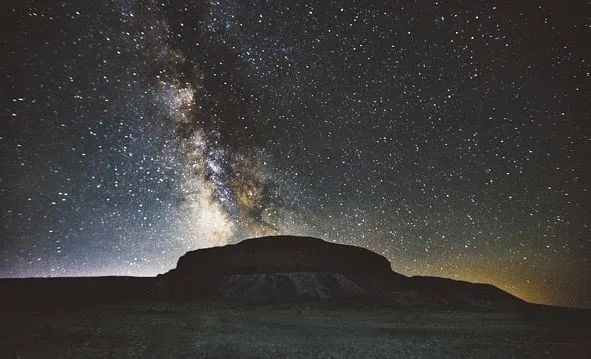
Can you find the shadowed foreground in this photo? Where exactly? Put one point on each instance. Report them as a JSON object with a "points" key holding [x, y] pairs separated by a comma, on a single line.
{"points": [[217, 330]]}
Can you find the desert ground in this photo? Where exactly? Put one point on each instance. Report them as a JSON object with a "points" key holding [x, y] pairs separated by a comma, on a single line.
{"points": [[224, 330]]}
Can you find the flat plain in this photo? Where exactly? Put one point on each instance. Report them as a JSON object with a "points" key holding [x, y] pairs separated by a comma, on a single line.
{"points": [[225, 330]]}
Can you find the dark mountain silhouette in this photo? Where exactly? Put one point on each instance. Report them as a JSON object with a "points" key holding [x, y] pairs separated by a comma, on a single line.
{"points": [[286, 268], [270, 269], [282, 264]]}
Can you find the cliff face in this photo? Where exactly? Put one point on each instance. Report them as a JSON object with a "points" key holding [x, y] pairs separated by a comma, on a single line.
{"points": [[287, 287]]}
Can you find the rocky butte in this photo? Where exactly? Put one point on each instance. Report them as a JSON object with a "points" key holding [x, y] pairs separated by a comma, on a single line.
{"points": [[287, 268], [270, 270]]}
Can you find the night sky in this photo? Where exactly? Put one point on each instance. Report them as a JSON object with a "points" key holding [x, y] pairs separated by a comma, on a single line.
{"points": [[452, 137]]}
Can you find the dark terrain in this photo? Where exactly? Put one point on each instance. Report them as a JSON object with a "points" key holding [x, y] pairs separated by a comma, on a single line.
{"points": [[270, 270], [281, 297]]}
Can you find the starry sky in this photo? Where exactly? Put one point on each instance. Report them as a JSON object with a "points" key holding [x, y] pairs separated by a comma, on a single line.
{"points": [[452, 137]]}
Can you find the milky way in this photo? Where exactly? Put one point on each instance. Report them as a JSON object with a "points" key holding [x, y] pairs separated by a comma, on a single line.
{"points": [[450, 137]]}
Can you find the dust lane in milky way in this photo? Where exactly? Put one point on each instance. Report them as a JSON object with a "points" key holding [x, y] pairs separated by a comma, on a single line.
{"points": [[450, 137]]}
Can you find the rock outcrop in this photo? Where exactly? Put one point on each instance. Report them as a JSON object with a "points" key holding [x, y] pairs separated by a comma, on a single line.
{"points": [[270, 269], [287, 287], [285, 268], [280, 268]]}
